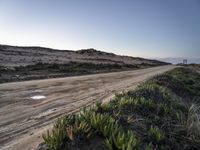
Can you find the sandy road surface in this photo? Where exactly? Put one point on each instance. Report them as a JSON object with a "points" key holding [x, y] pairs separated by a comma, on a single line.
{"points": [[22, 119]]}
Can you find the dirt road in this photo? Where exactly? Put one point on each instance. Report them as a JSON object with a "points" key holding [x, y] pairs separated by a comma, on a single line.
{"points": [[23, 119]]}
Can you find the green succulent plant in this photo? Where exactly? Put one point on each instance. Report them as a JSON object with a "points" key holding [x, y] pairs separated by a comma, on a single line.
{"points": [[156, 134], [55, 139]]}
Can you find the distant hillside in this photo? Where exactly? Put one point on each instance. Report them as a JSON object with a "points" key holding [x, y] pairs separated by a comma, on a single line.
{"points": [[22, 56], [28, 63]]}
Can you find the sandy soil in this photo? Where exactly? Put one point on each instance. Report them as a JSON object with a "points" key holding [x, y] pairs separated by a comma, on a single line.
{"points": [[23, 119]]}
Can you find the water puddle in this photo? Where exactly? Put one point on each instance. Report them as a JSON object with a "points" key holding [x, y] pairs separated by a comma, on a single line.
{"points": [[38, 97]]}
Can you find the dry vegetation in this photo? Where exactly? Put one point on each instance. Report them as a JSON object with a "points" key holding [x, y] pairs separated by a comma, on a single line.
{"points": [[44, 71], [28, 63]]}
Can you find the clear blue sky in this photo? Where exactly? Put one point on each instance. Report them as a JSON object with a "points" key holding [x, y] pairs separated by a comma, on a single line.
{"points": [[146, 28]]}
